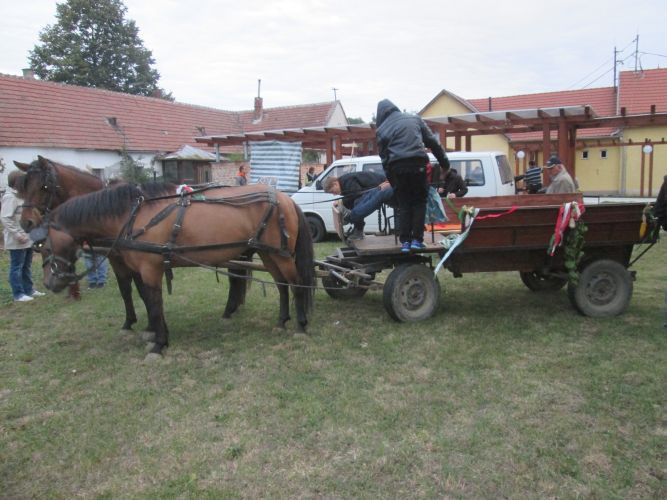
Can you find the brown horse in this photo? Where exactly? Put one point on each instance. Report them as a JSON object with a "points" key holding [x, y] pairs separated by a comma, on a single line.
{"points": [[47, 184], [153, 230]]}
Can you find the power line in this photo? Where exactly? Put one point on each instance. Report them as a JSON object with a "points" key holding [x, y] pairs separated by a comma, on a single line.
{"points": [[653, 54], [601, 66], [608, 71]]}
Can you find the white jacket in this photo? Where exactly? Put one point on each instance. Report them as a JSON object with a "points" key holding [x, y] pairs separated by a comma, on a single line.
{"points": [[10, 215]]}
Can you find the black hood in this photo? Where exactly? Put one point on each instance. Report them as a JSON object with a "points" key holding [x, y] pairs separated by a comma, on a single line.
{"points": [[385, 108]]}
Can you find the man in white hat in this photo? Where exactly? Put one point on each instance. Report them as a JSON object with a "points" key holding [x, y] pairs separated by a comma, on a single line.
{"points": [[561, 181]]}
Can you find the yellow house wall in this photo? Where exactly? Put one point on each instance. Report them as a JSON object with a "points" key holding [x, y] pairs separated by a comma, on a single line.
{"points": [[446, 105], [598, 175], [632, 159]]}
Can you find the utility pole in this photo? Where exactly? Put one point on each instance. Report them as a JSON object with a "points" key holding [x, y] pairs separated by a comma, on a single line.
{"points": [[615, 52], [636, 51], [334, 89]]}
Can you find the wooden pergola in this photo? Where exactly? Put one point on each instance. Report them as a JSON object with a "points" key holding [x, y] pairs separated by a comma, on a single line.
{"points": [[565, 121]]}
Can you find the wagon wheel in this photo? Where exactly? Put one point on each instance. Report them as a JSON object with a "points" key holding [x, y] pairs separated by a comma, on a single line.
{"points": [[538, 282], [604, 289], [411, 293], [336, 289]]}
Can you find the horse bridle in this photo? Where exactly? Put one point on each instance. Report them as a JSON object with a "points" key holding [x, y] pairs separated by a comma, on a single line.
{"points": [[49, 184], [40, 236]]}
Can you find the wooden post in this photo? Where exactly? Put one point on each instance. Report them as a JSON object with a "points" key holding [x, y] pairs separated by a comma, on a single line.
{"points": [[457, 141], [468, 142], [562, 140], [443, 137], [546, 150], [572, 145], [329, 151], [650, 171], [339, 147], [641, 178]]}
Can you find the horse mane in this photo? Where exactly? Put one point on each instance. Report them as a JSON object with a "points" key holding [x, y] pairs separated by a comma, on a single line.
{"points": [[111, 202]]}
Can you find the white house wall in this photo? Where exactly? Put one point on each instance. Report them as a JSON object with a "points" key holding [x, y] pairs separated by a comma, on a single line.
{"points": [[338, 117], [83, 159]]}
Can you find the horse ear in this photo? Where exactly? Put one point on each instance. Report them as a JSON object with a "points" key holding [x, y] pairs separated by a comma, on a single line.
{"points": [[22, 166], [44, 163]]}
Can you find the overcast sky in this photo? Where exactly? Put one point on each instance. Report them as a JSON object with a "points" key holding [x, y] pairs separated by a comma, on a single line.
{"points": [[212, 52]]}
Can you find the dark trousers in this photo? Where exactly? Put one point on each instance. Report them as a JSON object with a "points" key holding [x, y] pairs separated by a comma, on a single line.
{"points": [[408, 177], [20, 273], [368, 203]]}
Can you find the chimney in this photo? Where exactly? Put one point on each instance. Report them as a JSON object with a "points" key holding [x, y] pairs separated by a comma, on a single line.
{"points": [[257, 115], [28, 74]]}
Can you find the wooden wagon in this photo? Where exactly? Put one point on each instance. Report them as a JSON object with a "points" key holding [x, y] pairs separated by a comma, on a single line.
{"points": [[515, 238]]}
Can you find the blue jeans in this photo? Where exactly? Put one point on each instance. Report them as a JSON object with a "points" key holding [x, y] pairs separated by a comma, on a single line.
{"points": [[97, 276], [367, 204], [20, 273]]}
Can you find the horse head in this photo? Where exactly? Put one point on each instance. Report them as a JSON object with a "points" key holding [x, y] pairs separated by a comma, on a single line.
{"points": [[38, 189], [59, 252]]}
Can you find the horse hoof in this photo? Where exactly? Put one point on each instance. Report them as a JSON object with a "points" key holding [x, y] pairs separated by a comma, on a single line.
{"points": [[152, 357], [147, 336]]}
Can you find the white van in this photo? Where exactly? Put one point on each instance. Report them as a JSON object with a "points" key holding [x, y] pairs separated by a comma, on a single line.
{"points": [[486, 173]]}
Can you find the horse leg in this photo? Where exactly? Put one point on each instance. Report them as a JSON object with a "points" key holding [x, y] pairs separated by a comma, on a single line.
{"points": [[284, 316], [300, 302], [124, 280], [237, 291], [283, 289], [141, 289], [155, 306]]}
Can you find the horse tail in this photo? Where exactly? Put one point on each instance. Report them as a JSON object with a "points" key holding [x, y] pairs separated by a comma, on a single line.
{"points": [[305, 259]]}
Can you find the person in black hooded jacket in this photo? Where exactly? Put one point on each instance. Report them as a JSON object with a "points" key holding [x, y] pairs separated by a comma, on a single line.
{"points": [[660, 209], [401, 138]]}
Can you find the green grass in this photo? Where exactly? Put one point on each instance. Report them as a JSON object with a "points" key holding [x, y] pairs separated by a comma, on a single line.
{"points": [[504, 393]]}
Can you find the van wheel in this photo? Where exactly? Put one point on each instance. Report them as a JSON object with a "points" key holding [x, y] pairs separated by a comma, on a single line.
{"points": [[316, 226]]}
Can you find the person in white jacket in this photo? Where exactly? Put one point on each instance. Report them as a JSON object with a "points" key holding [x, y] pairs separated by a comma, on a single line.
{"points": [[18, 243]]}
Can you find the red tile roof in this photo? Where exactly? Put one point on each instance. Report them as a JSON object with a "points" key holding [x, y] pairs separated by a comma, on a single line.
{"points": [[602, 100], [47, 114], [638, 91]]}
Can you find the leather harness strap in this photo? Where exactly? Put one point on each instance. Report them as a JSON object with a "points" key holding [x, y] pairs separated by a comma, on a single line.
{"points": [[170, 248]]}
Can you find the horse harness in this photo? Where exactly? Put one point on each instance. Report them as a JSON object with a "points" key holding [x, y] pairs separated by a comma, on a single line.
{"points": [[127, 238], [50, 185]]}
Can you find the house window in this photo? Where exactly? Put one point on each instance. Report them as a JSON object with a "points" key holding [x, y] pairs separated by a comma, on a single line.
{"points": [[603, 154], [584, 154]]}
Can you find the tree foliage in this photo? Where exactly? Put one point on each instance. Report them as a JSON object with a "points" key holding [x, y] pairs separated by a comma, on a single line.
{"points": [[131, 170], [93, 45]]}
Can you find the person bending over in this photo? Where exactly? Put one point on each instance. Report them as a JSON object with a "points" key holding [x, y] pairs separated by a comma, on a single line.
{"points": [[453, 186], [363, 193]]}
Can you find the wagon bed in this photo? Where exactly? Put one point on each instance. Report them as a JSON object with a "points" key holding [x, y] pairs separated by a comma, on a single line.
{"points": [[517, 240]]}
